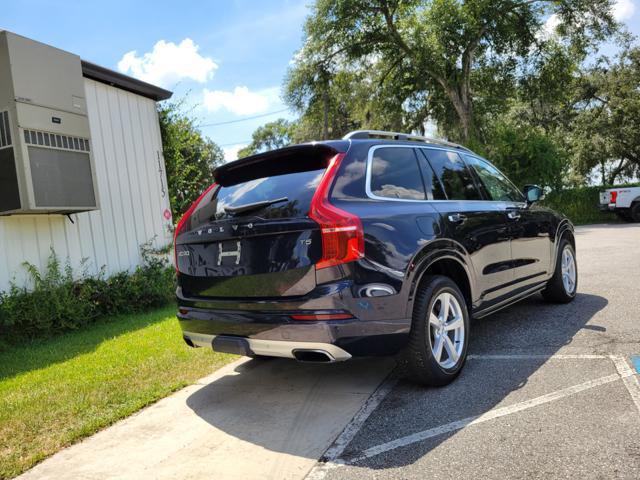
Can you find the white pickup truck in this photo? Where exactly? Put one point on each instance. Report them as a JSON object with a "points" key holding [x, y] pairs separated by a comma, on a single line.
{"points": [[624, 201]]}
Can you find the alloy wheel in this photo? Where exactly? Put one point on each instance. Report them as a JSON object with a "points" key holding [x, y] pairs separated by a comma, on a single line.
{"points": [[446, 330]]}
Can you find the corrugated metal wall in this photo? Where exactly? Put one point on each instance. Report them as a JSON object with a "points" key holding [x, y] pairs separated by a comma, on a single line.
{"points": [[132, 188]]}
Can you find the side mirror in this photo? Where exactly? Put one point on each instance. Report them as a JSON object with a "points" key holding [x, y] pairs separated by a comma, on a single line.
{"points": [[533, 193]]}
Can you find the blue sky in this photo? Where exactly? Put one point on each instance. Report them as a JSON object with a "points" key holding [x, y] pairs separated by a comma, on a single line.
{"points": [[229, 56]]}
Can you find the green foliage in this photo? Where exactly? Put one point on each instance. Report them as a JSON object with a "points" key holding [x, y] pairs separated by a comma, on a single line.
{"points": [[526, 155], [270, 136], [580, 205], [57, 302], [189, 157], [606, 132], [410, 60]]}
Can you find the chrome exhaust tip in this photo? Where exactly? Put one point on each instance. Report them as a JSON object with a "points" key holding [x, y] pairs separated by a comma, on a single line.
{"points": [[312, 356]]}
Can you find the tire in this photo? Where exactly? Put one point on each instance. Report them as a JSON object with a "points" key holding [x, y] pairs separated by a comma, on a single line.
{"points": [[418, 361], [624, 215], [558, 290], [634, 212]]}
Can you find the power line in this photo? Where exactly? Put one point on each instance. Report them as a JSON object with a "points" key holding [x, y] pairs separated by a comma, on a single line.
{"points": [[244, 119]]}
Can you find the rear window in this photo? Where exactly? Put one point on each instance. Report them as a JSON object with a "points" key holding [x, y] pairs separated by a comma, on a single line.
{"points": [[297, 187]]}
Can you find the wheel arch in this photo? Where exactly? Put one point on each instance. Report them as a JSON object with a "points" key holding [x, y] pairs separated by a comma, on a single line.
{"points": [[565, 230], [448, 259]]}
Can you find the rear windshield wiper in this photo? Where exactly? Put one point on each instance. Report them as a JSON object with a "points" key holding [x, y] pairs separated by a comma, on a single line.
{"points": [[254, 206]]}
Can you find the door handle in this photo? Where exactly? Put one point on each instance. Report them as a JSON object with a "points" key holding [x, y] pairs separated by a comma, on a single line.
{"points": [[457, 218], [513, 214]]}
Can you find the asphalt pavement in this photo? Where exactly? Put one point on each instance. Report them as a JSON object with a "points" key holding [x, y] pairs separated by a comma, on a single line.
{"points": [[549, 391]]}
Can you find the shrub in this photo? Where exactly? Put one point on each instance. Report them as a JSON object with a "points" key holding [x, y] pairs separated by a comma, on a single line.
{"points": [[580, 204], [57, 302]]}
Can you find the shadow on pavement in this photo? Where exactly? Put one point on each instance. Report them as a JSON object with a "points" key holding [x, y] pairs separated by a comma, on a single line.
{"points": [[531, 327], [288, 407], [284, 406]]}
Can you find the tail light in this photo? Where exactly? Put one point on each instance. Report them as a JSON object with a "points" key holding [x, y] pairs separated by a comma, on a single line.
{"points": [[342, 233], [184, 222], [613, 196]]}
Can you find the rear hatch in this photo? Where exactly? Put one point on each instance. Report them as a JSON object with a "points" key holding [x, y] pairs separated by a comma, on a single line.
{"points": [[605, 197], [250, 234]]}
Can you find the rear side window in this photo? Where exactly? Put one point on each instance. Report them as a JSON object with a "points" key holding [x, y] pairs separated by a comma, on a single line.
{"points": [[456, 181], [395, 174]]}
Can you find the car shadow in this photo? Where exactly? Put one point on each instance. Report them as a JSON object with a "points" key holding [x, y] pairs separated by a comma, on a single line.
{"points": [[532, 327], [246, 406]]}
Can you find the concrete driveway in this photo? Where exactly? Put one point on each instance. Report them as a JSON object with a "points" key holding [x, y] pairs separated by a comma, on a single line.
{"points": [[549, 391]]}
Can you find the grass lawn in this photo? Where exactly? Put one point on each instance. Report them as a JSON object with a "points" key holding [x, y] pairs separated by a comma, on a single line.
{"points": [[55, 391]]}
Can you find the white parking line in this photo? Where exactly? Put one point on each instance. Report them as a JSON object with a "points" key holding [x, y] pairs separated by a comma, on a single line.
{"points": [[629, 378], [536, 357], [490, 415], [320, 470], [332, 455]]}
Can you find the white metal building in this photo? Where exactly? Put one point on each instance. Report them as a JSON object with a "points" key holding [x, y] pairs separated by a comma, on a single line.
{"points": [[81, 166]]}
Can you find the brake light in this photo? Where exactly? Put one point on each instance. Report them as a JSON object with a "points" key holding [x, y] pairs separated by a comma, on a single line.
{"points": [[342, 233], [183, 223], [613, 196]]}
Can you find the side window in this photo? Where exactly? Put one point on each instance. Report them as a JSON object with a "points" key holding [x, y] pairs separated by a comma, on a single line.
{"points": [[497, 185], [452, 175], [395, 174]]}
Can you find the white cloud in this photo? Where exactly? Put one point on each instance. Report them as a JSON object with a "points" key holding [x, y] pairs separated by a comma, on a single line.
{"points": [[241, 101], [231, 152], [623, 10], [169, 63]]}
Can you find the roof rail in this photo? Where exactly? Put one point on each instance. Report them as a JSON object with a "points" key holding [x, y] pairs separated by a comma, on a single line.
{"points": [[368, 134]]}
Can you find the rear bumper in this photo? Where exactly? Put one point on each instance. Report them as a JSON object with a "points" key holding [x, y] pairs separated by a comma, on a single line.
{"points": [[373, 330], [607, 207], [274, 348]]}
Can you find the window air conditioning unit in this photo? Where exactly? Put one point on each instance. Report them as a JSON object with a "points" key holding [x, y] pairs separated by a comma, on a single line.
{"points": [[46, 164]]}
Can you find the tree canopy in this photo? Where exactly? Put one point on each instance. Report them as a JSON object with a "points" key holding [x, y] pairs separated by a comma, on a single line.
{"points": [[449, 59], [270, 136]]}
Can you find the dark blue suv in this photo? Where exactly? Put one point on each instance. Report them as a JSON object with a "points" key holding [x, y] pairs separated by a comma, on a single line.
{"points": [[377, 244]]}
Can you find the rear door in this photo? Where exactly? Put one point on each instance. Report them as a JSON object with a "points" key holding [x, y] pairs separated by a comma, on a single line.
{"points": [[481, 227], [238, 244]]}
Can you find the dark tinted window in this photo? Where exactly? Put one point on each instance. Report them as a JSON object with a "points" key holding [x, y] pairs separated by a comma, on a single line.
{"points": [[297, 187], [498, 186], [454, 176], [395, 174]]}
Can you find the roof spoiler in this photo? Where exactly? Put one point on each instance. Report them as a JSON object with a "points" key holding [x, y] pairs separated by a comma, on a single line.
{"points": [[297, 158]]}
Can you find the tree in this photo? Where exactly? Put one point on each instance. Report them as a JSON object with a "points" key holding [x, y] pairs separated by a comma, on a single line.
{"points": [[189, 157], [606, 133], [526, 154], [445, 58], [270, 136]]}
